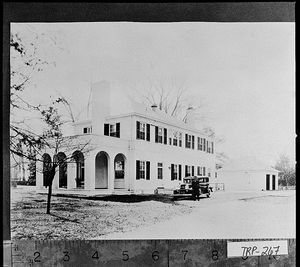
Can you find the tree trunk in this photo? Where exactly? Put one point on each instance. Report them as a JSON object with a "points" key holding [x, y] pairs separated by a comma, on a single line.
{"points": [[49, 197], [51, 174]]}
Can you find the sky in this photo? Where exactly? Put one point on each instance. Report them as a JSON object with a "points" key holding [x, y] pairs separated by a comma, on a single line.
{"points": [[243, 72]]}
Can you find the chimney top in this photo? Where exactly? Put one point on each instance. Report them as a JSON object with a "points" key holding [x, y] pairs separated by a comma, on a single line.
{"points": [[154, 106]]}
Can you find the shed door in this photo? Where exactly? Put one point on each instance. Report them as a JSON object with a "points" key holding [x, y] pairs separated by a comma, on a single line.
{"points": [[268, 182]]}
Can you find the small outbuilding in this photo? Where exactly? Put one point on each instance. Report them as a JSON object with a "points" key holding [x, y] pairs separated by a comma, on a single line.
{"points": [[248, 175]]}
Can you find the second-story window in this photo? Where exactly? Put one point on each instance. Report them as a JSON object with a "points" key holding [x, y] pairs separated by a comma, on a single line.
{"points": [[142, 131], [200, 143], [112, 129], [160, 135], [189, 141], [176, 138]]}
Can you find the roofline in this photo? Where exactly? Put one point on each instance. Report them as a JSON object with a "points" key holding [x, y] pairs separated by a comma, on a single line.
{"points": [[158, 120]]}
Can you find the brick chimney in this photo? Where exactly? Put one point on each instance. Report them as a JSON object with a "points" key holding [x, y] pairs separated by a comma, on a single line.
{"points": [[100, 105], [154, 107]]}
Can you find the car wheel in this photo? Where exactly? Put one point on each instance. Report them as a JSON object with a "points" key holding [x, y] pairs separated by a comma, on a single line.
{"points": [[208, 195]]}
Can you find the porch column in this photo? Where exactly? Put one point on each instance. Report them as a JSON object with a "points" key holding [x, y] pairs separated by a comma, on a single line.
{"points": [[71, 171], [89, 173], [55, 182], [111, 174], [39, 175]]}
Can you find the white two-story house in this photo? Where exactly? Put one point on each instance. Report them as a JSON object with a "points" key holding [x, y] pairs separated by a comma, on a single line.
{"points": [[136, 148]]}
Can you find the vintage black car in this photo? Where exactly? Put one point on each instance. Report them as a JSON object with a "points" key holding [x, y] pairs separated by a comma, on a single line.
{"points": [[185, 188]]}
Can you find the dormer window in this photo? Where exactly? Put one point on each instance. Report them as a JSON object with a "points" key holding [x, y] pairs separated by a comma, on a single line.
{"points": [[87, 130]]}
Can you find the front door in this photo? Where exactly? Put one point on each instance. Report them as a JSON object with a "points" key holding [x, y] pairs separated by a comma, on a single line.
{"points": [[273, 182]]}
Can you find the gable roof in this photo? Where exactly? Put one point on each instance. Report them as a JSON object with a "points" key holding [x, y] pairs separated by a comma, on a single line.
{"points": [[247, 164]]}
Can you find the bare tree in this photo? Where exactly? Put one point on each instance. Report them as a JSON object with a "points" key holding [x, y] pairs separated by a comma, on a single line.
{"points": [[170, 95], [50, 140], [287, 174]]}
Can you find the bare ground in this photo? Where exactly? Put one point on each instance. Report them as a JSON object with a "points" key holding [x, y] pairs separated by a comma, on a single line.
{"points": [[74, 218]]}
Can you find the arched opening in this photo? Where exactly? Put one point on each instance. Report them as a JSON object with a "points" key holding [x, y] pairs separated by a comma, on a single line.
{"points": [[119, 169], [63, 176], [101, 175], [79, 159], [46, 169]]}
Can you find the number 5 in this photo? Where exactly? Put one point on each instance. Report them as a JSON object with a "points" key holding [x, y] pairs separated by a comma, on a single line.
{"points": [[126, 255]]}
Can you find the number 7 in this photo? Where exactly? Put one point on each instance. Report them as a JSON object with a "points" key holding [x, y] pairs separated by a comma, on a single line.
{"points": [[184, 253]]}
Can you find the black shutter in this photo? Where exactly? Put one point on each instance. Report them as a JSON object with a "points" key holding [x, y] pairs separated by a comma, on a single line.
{"points": [[186, 140], [148, 132], [137, 130], [192, 170], [147, 170], [156, 134], [179, 170], [193, 142], [186, 170], [118, 129], [165, 136], [106, 129], [138, 170], [203, 171], [207, 146], [212, 147], [204, 144], [172, 172]]}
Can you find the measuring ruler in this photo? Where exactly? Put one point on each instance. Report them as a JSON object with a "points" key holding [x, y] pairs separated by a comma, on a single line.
{"points": [[187, 252]]}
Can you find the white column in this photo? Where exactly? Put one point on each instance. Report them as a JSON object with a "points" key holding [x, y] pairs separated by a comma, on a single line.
{"points": [[39, 175], [111, 174], [71, 184], [89, 173], [55, 182]]}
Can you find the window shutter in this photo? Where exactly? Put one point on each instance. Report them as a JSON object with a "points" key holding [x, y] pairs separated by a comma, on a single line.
{"points": [[179, 170], [212, 147], [156, 134], [172, 172], [118, 129], [165, 136], [106, 129], [207, 145], [147, 170], [203, 171], [193, 142], [148, 132], [137, 130], [138, 170], [186, 170], [186, 140], [204, 143], [193, 171]]}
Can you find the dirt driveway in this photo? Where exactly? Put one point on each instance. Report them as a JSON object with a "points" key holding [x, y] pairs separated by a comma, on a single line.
{"points": [[228, 215]]}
